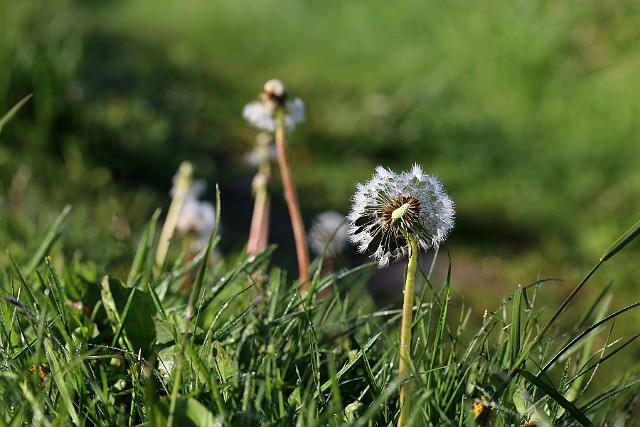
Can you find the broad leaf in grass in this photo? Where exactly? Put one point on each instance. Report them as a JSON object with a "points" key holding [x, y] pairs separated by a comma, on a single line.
{"points": [[188, 413], [130, 312]]}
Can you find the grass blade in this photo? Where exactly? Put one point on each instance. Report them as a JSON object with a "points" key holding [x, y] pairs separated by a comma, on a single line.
{"points": [[13, 111], [144, 248], [49, 240], [514, 342], [623, 241], [557, 397]]}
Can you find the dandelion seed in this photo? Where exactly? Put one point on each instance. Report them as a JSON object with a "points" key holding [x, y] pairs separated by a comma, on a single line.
{"points": [[391, 207], [262, 113]]}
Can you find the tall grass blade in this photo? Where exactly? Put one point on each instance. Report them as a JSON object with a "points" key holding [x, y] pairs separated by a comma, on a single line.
{"points": [[516, 313], [195, 292], [144, 248], [58, 368], [580, 336], [349, 365], [49, 240], [442, 324], [13, 111], [557, 397], [623, 241]]}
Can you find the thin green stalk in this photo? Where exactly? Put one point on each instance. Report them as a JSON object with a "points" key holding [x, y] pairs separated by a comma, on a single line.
{"points": [[189, 313], [9, 115], [299, 233], [405, 331]]}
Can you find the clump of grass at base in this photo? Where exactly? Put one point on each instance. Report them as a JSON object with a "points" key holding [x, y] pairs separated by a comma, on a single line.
{"points": [[79, 347]]}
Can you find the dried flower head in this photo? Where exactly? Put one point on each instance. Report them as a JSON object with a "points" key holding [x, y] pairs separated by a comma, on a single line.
{"points": [[390, 207], [328, 234], [273, 98]]}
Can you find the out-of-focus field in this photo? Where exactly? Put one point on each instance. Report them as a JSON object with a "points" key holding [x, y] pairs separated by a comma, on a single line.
{"points": [[528, 112]]}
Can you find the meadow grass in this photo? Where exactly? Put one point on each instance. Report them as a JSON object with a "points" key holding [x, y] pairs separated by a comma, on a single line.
{"points": [[533, 131], [239, 347]]}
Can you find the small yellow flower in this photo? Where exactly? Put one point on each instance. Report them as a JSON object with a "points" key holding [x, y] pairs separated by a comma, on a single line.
{"points": [[481, 411], [43, 370]]}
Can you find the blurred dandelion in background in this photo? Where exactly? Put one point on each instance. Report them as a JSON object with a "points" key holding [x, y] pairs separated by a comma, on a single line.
{"points": [[262, 155], [263, 151], [275, 112], [328, 234], [197, 218], [262, 112]]}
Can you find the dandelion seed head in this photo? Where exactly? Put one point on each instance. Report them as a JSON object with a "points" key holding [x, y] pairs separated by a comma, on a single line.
{"points": [[197, 217], [275, 89], [261, 113], [391, 207], [328, 234]]}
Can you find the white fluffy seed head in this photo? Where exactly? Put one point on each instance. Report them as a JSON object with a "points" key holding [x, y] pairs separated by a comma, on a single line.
{"points": [[261, 113], [381, 215]]}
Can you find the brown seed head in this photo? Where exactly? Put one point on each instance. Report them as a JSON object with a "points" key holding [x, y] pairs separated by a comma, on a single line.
{"points": [[275, 91], [411, 207]]}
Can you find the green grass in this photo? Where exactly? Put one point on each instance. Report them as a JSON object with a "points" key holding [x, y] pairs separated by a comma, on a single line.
{"points": [[526, 112], [82, 348]]}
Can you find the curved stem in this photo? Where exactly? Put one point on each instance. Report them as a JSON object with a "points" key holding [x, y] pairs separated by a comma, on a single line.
{"points": [[405, 331], [299, 234]]}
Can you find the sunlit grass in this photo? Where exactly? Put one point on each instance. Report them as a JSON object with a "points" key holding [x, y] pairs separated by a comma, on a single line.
{"points": [[84, 348], [527, 112]]}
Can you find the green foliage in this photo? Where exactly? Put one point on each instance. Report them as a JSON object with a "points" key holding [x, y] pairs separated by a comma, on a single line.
{"points": [[527, 111], [242, 348]]}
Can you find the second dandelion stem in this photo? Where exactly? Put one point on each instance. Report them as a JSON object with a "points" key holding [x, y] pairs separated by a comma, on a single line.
{"points": [[405, 331], [299, 234]]}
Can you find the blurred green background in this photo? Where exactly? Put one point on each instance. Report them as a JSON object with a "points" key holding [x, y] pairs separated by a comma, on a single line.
{"points": [[529, 111]]}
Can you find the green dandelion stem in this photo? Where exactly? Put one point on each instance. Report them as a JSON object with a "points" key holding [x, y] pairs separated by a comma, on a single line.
{"points": [[299, 234], [405, 330]]}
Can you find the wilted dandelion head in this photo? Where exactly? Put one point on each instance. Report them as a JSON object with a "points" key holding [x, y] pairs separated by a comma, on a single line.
{"points": [[391, 207], [274, 98], [328, 234]]}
